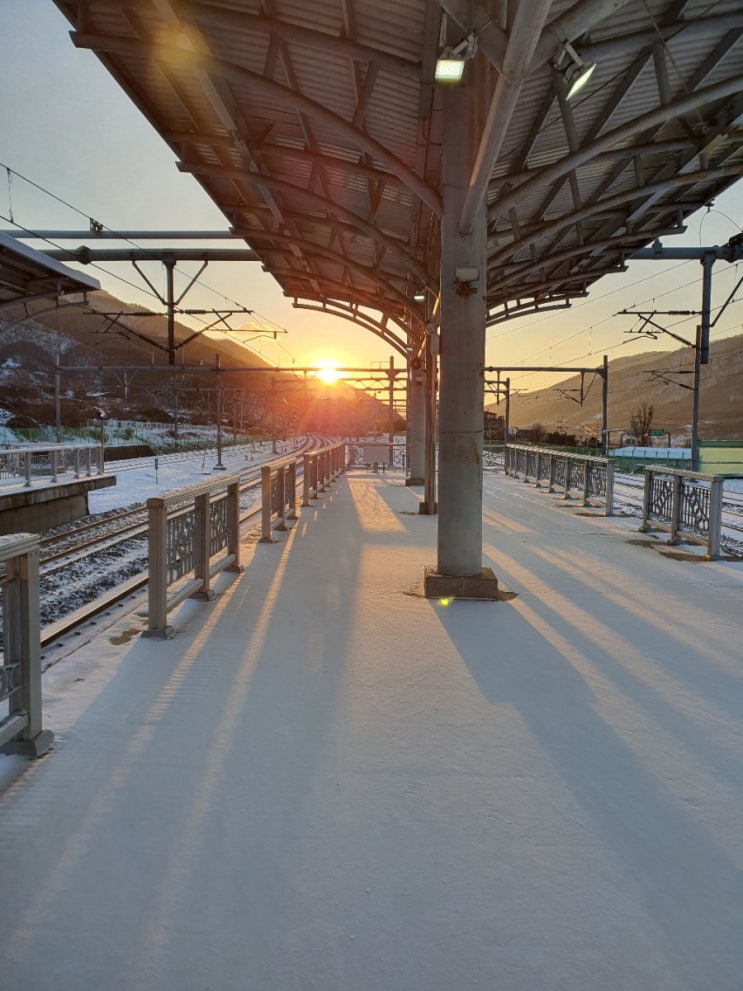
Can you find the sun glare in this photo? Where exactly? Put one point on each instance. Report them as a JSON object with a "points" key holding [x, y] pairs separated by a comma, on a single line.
{"points": [[327, 371]]}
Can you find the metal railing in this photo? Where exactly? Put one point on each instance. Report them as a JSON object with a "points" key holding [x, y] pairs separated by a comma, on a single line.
{"points": [[50, 460], [193, 531], [278, 496], [591, 477], [686, 504], [320, 468], [20, 672]]}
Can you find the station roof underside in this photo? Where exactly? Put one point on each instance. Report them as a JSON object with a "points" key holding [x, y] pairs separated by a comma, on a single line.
{"points": [[316, 127], [27, 274]]}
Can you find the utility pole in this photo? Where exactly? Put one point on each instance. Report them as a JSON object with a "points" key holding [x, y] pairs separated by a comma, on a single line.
{"points": [[219, 466], [731, 252]]}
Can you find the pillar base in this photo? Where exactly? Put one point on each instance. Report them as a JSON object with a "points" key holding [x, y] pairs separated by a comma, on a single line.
{"points": [[414, 481], [481, 586], [30, 748]]}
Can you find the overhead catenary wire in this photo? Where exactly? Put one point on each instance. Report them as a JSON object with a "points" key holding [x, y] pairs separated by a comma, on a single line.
{"points": [[102, 226]]}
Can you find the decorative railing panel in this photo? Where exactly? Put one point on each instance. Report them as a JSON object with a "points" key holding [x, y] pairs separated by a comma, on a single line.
{"points": [[33, 463], [685, 504], [592, 477], [193, 531], [182, 541], [20, 667]]}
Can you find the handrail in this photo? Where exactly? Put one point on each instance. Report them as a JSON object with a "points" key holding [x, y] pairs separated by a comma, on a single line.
{"points": [[686, 504], [50, 460], [278, 495], [320, 468], [20, 673], [592, 476], [188, 527]]}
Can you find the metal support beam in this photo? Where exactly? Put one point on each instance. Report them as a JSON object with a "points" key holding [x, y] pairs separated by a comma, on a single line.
{"points": [[416, 418]]}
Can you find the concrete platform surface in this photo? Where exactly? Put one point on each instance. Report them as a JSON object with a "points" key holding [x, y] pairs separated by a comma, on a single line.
{"points": [[327, 781]]}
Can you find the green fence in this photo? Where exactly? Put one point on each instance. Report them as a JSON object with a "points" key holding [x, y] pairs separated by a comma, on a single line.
{"points": [[721, 457]]}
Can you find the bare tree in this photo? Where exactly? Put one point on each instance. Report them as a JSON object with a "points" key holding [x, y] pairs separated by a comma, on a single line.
{"points": [[641, 420]]}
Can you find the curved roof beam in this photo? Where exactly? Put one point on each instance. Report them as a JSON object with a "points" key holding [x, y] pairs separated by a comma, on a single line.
{"points": [[335, 289], [621, 244], [384, 282], [268, 148], [654, 118], [558, 301], [579, 19], [185, 58], [609, 203], [522, 40], [312, 201], [348, 312], [666, 30]]}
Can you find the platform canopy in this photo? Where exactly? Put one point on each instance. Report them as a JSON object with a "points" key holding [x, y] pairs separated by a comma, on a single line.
{"points": [[315, 125], [26, 274]]}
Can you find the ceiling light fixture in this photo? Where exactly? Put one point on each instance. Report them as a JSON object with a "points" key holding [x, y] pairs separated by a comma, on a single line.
{"points": [[577, 72], [451, 62]]}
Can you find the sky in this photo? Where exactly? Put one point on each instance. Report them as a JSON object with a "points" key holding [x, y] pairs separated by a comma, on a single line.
{"points": [[77, 148]]}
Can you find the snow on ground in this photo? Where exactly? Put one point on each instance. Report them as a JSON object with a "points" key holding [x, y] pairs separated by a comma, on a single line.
{"points": [[142, 479], [326, 781]]}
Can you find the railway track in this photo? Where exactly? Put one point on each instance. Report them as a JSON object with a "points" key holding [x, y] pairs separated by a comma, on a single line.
{"points": [[92, 567]]}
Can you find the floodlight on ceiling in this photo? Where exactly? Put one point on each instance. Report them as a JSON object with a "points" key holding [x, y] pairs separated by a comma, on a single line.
{"points": [[419, 296], [451, 62], [576, 73]]}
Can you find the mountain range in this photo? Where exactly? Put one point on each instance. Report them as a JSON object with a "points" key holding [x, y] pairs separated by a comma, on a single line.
{"points": [[661, 379]]}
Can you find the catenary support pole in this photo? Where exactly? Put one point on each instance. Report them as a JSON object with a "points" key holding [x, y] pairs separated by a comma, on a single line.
{"points": [[605, 407]]}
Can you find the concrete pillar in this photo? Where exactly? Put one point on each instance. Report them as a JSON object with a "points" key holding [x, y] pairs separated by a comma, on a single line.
{"points": [[459, 570], [416, 409]]}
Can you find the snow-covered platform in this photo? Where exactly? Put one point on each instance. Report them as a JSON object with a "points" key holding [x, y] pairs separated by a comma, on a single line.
{"points": [[328, 781]]}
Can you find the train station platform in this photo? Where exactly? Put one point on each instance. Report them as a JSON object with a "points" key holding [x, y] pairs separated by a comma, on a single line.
{"points": [[326, 781]]}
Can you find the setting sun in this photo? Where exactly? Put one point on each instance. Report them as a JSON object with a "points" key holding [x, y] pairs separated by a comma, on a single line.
{"points": [[327, 371]]}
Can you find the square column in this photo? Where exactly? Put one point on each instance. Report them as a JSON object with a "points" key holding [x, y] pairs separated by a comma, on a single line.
{"points": [[459, 570]]}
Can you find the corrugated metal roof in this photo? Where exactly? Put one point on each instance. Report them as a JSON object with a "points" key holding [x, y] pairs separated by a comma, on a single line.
{"points": [[316, 127], [27, 274]]}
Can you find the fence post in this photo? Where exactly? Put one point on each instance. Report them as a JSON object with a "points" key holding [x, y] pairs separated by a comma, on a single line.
{"points": [[202, 545], [281, 502], [586, 479], [29, 458], [306, 480], [233, 525], [20, 675], [647, 497], [266, 504], [715, 519], [291, 486], [675, 510], [551, 486], [157, 583], [568, 467], [609, 489]]}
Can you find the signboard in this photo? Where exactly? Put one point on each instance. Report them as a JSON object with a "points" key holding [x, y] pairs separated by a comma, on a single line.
{"points": [[656, 432]]}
